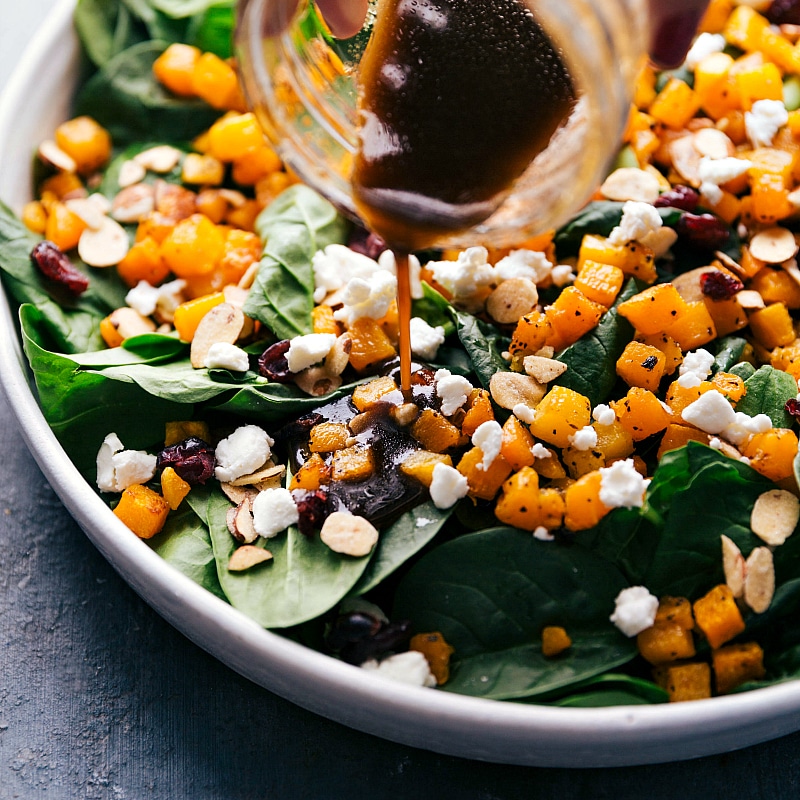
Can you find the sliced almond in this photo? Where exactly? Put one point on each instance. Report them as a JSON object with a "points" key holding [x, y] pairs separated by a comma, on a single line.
{"points": [[546, 352], [52, 154], [162, 158], [270, 470], [348, 534], [133, 203], [759, 581], [223, 323], [792, 270], [104, 246], [510, 388], [733, 566], [511, 300], [237, 494], [773, 245], [750, 299], [249, 277], [687, 284], [631, 183], [727, 262], [236, 199], [234, 295], [405, 413], [713, 143], [243, 523], [686, 159], [775, 516], [727, 449], [87, 210], [543, 370], [248, 556], [100, 202], [339, 356], [316, 381], [130, 173], [129, 322]]}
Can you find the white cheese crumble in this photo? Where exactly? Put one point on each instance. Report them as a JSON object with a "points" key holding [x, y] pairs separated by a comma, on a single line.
{"points": [[452, 390], [584, 439], [696, 364], [638, 220], [562, 274], [621, 486], [387, 261], [764, 120], [743, 426], [143, 298], [425, 338], [523, 412], [604, 415], [367, 297], [464, 277], [488, 437], [634, 610], [540, 451], [410, 667], [715, 443], [241, 453], [523, 264], [117, 468], [705, 44], [713, 172], [223, 355], [711, 412], [335, 266], [274, 510], [304, 351], [542, 534], [448, 486]]}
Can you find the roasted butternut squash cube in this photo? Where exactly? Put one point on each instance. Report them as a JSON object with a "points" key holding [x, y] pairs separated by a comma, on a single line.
{"points": [[555, 640], [673, 355], [759, 82], [728, 315], [718, 616], [716, 92], [478, 410], [732, 386], [633, 258], [367, 395], [551, 508], [326, 437], [531, 334], [583, 507], [189, 314], [559, 415], [419, 465], [600, 282], [675, 104], [571, 316], [178, 431], [435, 432], [173, 488], [772, 453], [787, 359], [142, 510], [641, 365], [694, 328], [684, 682], [353, 464], [772, 326], [323, 321], [581, 462], [736, 664], [550, 466], [437, 653], [517, 446], [370, 344], [613, 440], [483, 483], [678, 397], [664, 642], [519, 503], [677, 610], [677, 436], [313, 474], [654, 309], [640, 413], [777, 286]]}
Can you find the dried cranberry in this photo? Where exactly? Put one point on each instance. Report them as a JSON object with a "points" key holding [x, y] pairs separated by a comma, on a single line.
{"points": [[391, 636], [298, 428], [703, 230], [55, 265], [350, 628], [193, 459], [783, 12], [720, 285], [683, 197], [272, 363], [313, 509], [792, 407], [366, 243]]}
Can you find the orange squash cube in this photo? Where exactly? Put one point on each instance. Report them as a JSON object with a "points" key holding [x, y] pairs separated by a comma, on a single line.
{"points": [[87, 142], [214, 80], [654, 309], [571, 316], [673, 355], [559, 415], [193, 247], [555, 640], [233, 136], [675, 104], [353, 464], [772, 326], [694, 328], [326, 437], [772, 453], [641, 365], [142, 510], [583, 506], [531, 334], [519, 504], [173, 487], [517, 446], [736, 664], [483, 483], [420, 464], [188, 314], [437, 653], [684, 682], [174, 68], [478, 410], [143, 262], [600, 282], [369, 394], [677, 610], [613, 440], [664, 642], [312, 474], [323, 321], [370, 344], [677, 436], [718, 616], [640, 413], [435, 432]]}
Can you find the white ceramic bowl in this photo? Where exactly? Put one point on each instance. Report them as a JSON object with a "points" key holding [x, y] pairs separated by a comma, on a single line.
{"points": [[35, 101]]}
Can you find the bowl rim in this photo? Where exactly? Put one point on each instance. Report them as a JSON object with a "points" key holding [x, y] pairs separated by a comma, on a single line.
{"points": [[470, 727]]}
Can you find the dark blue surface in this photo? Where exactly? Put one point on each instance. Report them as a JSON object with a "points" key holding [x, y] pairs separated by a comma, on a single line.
{"points": [[101, 699]]}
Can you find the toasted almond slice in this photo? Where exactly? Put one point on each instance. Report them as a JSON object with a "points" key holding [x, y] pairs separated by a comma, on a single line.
{"points": [[236, 494], [236, 199], [269, 470], [773, 245], [733, 566], [133, 203], [727, 262], [130, 173], [631, 183], [750, 299], [129, 322], [104, 246], [713, 143], [727, 449], [339, 356], [792, 270], [243, 523], [348, 534], [100, 202], [759, 580], [405, 413], [248, 556], [510, 388], [87, 210], [52, 154], [223, 323], [316, 381], [546, 352], [775, 516], [686, 159], [161, 158], [247, 280], [511, 300], [234, 295], [543, 370], [688, 286]]}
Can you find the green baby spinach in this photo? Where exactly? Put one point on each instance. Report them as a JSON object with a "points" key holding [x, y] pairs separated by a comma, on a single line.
{"points": [[768, 389], [483, 343]]}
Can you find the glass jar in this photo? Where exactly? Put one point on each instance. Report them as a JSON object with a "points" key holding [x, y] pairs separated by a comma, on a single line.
{"points": [[303, 86]]}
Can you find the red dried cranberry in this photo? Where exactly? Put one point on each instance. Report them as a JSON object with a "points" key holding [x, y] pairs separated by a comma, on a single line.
{"points": [[352, 627], [683, 197], [720, 285], [55, 265], [193, 460], [783, 12], [366, 243], [272, 363], [792, 407], [703, 230], [391, 637], [313, 509], [298, 428]]}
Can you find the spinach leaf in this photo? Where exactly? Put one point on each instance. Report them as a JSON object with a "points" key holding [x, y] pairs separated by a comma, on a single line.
{"points": [[400, 541], [297, 224], [768, 389], [603, 698], [304, 579], [744, 369], [212, 30], [727, 353], [126, 99], [149, 348], [613, 689], [591, 361], [491, 593], [185, 543], [434, 309], [483, 343], [106, 29]]}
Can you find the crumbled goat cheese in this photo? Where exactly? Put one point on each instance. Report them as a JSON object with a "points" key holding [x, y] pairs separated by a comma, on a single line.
{"points": [[410, 667], [448, 486], [117, 468], [542, 534], [713, 172], [689, 380], [304, 351], [715, 443], [604, 415], [699, 362], [540, 451], [452, 389], [335, 266], [634, 610], [621, 486], [743, 426], [764, 120], [143, 298], [523, 412], [584, 439], [223, 355], [705, 44], [529, 264], [170, 296], [367, 297], [711, 412], [638, 219], [464, 277], [562, 275], [425, 339], [241, 453], [387, 261], [488, 437], [274, 510]]}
